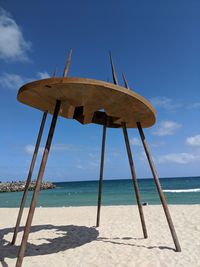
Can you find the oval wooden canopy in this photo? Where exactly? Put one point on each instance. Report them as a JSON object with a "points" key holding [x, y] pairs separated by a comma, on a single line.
{"points": [[89, 101]]}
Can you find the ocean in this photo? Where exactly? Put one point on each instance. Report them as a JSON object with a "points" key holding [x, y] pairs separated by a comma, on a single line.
{"points": [[182, 190]]}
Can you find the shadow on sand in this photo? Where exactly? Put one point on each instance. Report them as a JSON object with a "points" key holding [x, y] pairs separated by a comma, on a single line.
{"points": [[69, 236]]}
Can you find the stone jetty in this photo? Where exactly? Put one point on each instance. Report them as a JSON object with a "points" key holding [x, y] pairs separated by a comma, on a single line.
{"points": [[18, 186]]}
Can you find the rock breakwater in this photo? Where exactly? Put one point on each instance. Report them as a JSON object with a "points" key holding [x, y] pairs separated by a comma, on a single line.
{"points": [[18, 186]]}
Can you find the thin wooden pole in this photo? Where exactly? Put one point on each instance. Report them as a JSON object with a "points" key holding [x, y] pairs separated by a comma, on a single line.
{"points": [[160, 192], [28, 181], [38, 184], [125, 81], [134, 179], [66, 69], [113, 69], [101, 175]]}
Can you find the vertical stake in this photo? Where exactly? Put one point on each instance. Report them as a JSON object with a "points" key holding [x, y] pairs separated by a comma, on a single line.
{"points": [[101, 174], [113, 70], [66, 69], [38, 184], [133, 173], [125, 81], [28, 181], [55, 71], [160, 192]]}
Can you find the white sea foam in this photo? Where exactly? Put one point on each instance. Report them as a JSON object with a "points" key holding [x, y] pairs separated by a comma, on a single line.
{"points": [[182, 190]]}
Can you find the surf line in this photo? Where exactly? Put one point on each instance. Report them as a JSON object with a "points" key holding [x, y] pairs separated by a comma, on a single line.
{"points": [[181, 190]]}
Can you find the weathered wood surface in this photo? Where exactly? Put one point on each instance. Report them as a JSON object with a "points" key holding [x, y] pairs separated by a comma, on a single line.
{"points": [[88, 100]]}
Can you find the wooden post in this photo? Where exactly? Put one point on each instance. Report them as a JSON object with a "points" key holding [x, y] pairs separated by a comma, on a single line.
{"points": [[157, 182], [38, 184], [113, 69], [134, 179], [101, 175], [66, 69], [28, 181]]}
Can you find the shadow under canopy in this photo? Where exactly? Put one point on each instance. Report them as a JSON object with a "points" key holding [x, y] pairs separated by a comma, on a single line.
{"points": [[68, 236]]}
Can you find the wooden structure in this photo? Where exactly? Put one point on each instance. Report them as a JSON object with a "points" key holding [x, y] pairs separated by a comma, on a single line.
{"points": [[88, 101]]}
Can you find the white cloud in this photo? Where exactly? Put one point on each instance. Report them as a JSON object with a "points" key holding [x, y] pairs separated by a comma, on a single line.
{"points": [[79, 166], [180, 158], [12, 43], [11, 81], [135, 141], [15, 81], [167, 128], [29, 149], [193, 140], [93, 164], [165, 103], [43, 75], [194, 106], [142, 156], [65, 147], [157, 144], [93, 155]]}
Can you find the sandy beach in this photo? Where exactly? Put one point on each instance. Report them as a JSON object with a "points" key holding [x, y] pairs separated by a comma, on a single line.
{"points": [[68, 237]]}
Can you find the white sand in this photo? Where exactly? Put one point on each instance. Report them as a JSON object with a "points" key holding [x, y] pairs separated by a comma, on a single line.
{"points": [[67, 237]]}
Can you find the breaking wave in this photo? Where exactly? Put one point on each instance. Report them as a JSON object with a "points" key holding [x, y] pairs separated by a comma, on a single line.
{"points": [[182, 190]]}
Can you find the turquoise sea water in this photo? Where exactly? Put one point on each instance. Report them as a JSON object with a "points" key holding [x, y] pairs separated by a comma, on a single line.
{"points": [[185, 190]]}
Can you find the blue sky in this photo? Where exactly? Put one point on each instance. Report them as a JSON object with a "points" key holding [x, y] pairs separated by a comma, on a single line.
{"points": [[155, 43]]}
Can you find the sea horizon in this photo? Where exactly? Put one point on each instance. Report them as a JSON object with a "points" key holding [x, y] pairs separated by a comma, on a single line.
{"points": [[115, 179], [178, 190]]}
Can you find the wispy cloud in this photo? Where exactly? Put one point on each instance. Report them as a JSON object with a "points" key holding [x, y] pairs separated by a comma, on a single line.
{"points": [[157, 144], [91, 160], [66, 147], [89, 165], [165, 103], [79, 166], [13, 46], [15, 81], [135, 141], [194, 106], [43, 75], [180, 158], [193, 140], [142, 156], [167, 128], [11, 81], [29, 149]]}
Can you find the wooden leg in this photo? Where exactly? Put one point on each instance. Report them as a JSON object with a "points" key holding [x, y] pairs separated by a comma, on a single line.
{"points": [[37, 187], [137, 193], [28, 181], [101, 175], [161, 194]]}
